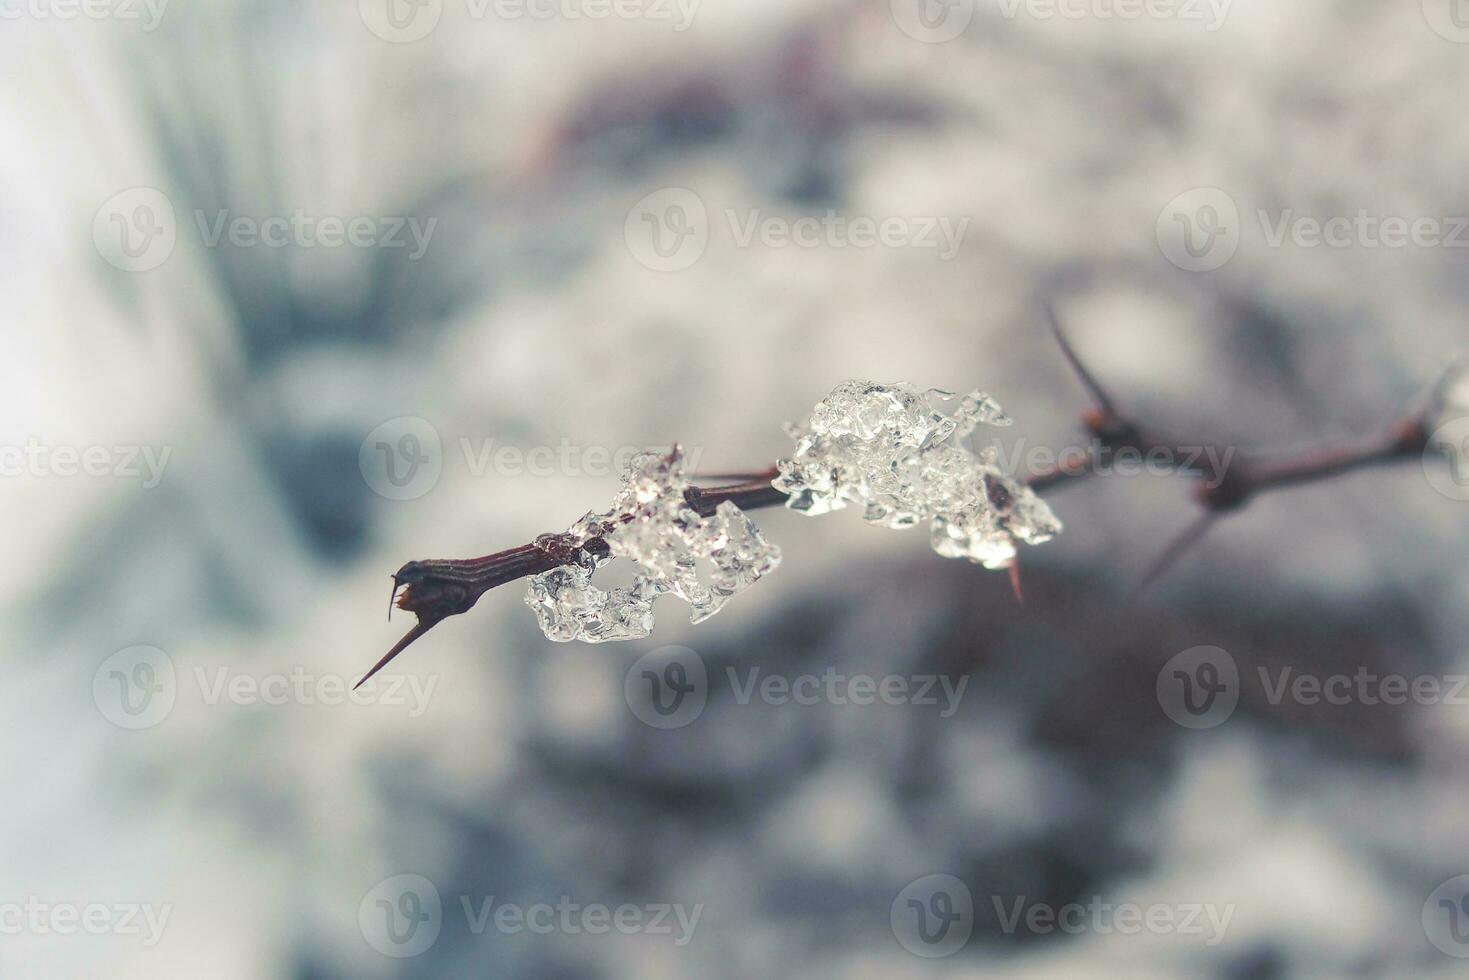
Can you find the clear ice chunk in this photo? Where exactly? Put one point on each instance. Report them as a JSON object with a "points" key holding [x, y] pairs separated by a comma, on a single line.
{"points": [[703, 561], [896, 451], [1449, 404], [570, 607], [1449, 400]]}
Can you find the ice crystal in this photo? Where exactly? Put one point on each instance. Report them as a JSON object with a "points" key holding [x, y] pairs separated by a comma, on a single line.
{"points": [[570, 607], [1444, 419], [702, 560], [896, 451], [1449, 401]]}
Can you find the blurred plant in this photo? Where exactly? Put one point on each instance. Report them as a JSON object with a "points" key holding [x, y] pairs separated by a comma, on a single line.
{"points": [[894, 450]]}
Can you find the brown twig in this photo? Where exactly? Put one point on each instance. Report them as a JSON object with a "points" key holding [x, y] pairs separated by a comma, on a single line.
{"points": [[1228, 480], [1099, 394], [1185, 540], [436, 589], [1074, 465]]}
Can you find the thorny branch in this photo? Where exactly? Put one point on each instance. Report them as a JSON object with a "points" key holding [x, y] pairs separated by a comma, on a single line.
{"points": [[435, 589], [1225, 481]]}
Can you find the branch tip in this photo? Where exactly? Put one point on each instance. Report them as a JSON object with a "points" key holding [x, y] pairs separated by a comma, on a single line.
{"points": [[1088, 380], [419, 628], [1015, 581], [1176, 549]]}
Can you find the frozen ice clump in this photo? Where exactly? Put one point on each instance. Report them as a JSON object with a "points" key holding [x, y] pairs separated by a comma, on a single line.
{"points": [[702, 560], [896, 451], [1449, 400], [1443, 420], [570, 607]]}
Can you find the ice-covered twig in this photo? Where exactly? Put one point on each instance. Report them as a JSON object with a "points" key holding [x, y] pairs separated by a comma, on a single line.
{"points": [[437, 589]]}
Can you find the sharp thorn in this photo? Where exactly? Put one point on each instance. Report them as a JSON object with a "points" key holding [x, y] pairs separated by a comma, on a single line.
{"points": [[1098, 393], [1186, 539], [419, 628]]}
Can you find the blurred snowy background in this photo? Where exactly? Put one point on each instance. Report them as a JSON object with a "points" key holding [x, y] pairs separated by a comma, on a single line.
{"points": [[256, 819]]}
